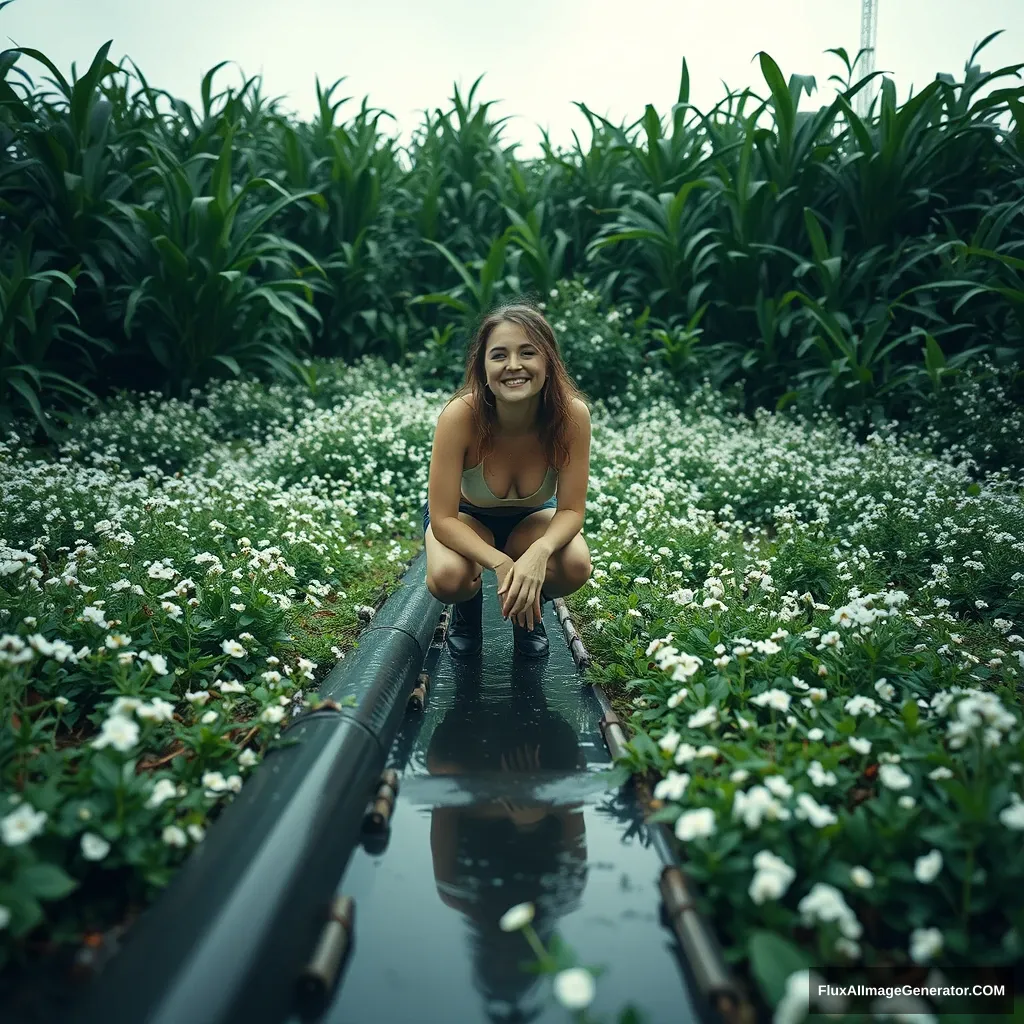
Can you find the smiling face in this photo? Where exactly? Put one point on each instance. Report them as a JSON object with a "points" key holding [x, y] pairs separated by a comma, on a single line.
{"points": [[511, 356]]}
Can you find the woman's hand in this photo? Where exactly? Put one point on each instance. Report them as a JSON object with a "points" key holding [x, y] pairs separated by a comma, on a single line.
{"points": [[519, 590], [503, 570]]}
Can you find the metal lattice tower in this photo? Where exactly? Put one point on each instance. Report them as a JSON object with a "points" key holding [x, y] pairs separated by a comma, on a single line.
{"points": [[868, 35]]}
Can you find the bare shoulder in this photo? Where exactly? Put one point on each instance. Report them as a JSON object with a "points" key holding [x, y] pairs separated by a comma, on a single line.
{"points": [[459, 410], [580, 412]]}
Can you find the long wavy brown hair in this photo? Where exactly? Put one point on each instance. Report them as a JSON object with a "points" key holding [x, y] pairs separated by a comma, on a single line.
{"points": [[553, 414]]}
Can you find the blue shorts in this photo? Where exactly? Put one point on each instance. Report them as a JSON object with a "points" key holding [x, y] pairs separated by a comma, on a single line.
{"points": [[501, 525]]}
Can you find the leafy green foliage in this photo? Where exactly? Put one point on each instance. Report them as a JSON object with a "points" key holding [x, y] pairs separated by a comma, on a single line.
{"points": [[813, 257]]}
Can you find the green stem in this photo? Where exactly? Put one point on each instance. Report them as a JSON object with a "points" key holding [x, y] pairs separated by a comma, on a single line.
{"points": [[537, 946]]}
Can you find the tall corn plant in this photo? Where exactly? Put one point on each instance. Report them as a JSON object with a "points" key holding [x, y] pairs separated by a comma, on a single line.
{"points": [[36, 316], [351, 234], [61, 176], [209, 290]]}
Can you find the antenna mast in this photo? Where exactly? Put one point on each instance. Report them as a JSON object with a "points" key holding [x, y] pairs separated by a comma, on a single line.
{"points": [[868, 35]]}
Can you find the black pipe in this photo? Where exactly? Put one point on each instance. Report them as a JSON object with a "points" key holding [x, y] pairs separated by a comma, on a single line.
{"points": [[230, 936]]}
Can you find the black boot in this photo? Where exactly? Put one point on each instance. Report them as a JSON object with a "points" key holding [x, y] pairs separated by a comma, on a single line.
{"points": [[465, 630], [532, 644]]}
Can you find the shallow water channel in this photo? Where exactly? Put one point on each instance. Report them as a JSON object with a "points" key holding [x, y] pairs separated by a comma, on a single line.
{"points": [[503, 800]]}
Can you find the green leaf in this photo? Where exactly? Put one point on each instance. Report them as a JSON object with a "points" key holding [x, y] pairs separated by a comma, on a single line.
{"points": [[773, 959], [644, 746], [934, 360], [45, 881], [910, 714], [105, 772]]}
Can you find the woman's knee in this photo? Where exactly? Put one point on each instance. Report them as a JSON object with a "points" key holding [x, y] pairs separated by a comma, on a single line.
{"points": [[573, 569], [453, 584]]}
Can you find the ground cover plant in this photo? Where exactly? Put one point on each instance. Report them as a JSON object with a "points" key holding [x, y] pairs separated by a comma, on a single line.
{"points": [[820, 646], [818, 641], [159, 626]]}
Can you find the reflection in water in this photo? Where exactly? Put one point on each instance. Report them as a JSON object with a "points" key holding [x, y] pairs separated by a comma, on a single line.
{"points": [[490, 856]]}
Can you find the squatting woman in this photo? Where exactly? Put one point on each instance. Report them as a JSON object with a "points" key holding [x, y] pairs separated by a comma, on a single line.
{"points": [[508, 482]]}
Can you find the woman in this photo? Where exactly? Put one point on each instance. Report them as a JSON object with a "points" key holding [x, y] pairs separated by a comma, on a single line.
{"points": [[517, 426]]}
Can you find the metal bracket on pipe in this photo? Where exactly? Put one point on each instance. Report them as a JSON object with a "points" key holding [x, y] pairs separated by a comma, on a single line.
{"points": [[579, 653], [701, 950], [696, 940], [378, 817], [319, 978], [418, 697]]}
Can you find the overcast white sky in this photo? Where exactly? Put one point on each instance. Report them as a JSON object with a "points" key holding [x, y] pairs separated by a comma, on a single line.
{"points": [[538, 56]]}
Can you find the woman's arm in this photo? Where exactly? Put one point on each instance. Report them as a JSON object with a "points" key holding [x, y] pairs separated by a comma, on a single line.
{"points": [[451, 438]]}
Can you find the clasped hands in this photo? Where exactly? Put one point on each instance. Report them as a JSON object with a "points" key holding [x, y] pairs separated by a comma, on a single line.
{"points": [[519, 585]]}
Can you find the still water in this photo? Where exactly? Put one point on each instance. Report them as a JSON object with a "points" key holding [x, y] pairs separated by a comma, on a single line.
{"points": [[504, 799]]}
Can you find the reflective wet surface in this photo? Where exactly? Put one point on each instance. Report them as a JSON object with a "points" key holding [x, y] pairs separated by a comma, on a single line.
{"points": [[505, 799]]}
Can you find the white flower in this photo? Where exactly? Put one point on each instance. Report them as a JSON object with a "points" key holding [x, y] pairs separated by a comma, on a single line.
{"points": [[94, 847], [940, 773], [777, 700], [672, 787], [214, 782], [778, 786], [233, 648], [818, 816], [825, 903], [230, 686], [863, 705], [860, 876], [272, 714], [21, 825], [815, 734], [119, 732], [885, 690], [669, 741], [705, 717], [174, 836], [695, 824], [926, 868], [773, 877], [247, 758], [925, 943], [197, 832], [159, 664], [686, 752], [678, 697], [859, 745], [892, 776], [801, 989], [157, 710], [516, 917], [1012, 815], [755, 805], [125, 706], [819, 776], [574, 988], [163, 790]]}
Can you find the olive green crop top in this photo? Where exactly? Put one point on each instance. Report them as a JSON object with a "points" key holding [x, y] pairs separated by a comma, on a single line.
{"points": [[476, 491]]}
